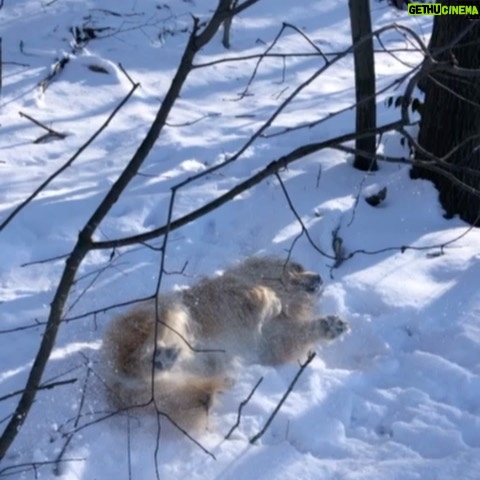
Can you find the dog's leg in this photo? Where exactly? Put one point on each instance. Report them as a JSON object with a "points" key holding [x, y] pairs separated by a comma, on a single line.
{"points": [[327, 328], [324, 328], [284, 340]]}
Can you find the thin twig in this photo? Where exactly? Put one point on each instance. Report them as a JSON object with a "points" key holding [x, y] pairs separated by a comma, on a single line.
{"points": [[261, 131], [109, 307], [120, 66], [45, 260], [159, 321], [47, 386], [80, 316], [23, 327], [303, 366], [25, 467], [393, 84], [242, 58], [240, 408], [299, 219], [58, 460], [107, 415]]}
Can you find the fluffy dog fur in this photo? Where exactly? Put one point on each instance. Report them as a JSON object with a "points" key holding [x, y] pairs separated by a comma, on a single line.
{"points": [[179, 350]]}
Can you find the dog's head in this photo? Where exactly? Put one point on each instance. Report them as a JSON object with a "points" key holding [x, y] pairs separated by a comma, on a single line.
{"points": [[270, 271], [297, 276]]}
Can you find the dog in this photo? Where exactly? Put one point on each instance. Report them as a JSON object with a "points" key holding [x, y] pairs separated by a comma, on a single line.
{"points": [[177, 352]]}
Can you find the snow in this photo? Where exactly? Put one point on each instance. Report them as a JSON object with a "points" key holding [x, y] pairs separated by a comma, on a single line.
{"points": [[395, 399]]}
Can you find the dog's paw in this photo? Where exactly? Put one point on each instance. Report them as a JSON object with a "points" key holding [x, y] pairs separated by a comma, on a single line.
{"points": [[228, 382], [332, 326], [165, 357]]}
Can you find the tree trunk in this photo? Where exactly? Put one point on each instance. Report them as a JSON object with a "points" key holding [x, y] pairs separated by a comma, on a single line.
{"points": [[448, 119], [366, 112]]}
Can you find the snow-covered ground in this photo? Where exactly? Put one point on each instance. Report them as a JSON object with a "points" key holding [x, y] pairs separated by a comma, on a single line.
{"points": [[397, 398]]}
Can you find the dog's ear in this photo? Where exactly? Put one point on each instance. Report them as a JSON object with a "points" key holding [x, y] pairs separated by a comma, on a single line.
{"points": [[295, 267]]}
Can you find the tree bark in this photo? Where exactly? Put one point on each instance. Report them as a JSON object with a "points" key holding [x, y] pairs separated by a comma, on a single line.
{"points": [[451, 114], [364, 65]]}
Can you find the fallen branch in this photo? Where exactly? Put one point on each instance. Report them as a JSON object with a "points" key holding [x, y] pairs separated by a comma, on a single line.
{"points": [[50, 132]]}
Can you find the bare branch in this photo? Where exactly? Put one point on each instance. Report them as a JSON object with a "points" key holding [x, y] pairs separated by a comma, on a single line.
{"points": [[269, 170], [240, 408], [393, 84], [222, 12], [431, 160], [23, 327], [243, 6], [121, 67], [80, 316], [109, 307], [35, 466], [290, 55], [303, 366], [312, 44], [304, 229], [58, 460], [45, 260], [227, 26], [47, 386], [84, 242], [404, 248]]}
